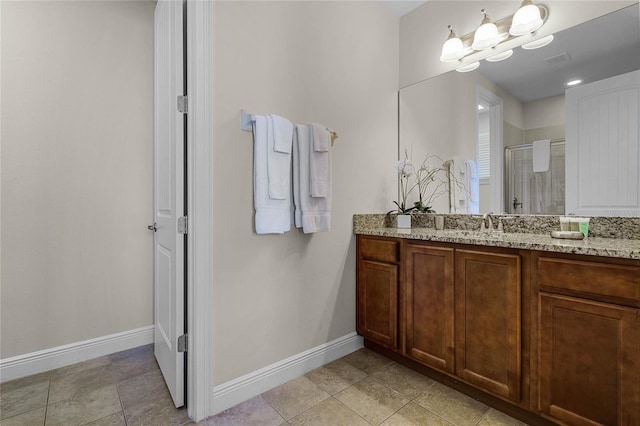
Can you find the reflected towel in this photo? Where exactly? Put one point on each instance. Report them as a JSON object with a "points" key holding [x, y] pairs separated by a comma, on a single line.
{"points": [[279, 140], [541, 155]]}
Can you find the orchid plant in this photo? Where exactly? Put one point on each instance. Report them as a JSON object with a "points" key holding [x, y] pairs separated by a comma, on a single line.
{"points": [[429, 180]]}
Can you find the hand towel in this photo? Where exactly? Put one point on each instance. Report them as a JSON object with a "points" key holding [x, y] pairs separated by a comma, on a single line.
{"points": [[272, 216], [312, 214], [279, 139], [473, 186], [458, 186], [541, 155], [319, 161]]}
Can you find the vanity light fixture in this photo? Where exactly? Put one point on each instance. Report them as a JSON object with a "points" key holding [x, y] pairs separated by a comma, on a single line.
{"points": [[467, 68], [500, 56], [486, 36], [536, 44], [574, 82], [452, 49], [526, 20]]}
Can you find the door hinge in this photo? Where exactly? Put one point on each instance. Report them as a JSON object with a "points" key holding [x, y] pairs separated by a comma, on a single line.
{"points": [[182, 343], [182, 104], [182, 225]]}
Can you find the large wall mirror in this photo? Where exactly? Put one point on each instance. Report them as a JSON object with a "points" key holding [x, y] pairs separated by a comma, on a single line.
{"points": [[493, 115]]}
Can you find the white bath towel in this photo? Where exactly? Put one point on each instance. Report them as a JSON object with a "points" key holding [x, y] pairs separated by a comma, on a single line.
{"points": [[279, 140], [473, 184], [541, 155], [458, 186], [320, 161], [312, 214], [272, 216]]}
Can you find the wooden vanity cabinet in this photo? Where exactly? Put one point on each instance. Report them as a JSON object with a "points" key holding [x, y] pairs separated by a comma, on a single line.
{"points": [[378, 277], [488, 321], [588, 364], [429, 306], [463, 316]]}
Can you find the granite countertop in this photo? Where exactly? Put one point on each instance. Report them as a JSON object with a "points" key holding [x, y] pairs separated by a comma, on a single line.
{"points": [[594, 246], [609, 236]]}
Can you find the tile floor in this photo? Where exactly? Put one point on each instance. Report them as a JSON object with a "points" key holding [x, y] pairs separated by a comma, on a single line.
{"points": [[126, 389]]}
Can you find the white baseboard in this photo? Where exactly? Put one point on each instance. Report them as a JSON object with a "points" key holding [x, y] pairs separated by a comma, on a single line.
{"points": [[235, 391], [61, 356]]}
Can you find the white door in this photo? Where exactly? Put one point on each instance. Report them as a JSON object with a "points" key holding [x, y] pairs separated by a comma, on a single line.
{"points": [[169, 205]]}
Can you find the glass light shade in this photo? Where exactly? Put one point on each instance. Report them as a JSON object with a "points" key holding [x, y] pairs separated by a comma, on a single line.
{"points": [[536, 44], [500, 56], [485, 37], [526, 20], [467, 68], [452, 50]]}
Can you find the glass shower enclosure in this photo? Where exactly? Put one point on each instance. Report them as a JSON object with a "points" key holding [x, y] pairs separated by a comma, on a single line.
{"points": [[534, 193]]}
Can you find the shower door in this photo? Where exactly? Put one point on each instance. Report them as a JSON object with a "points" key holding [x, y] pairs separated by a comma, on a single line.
{"points": [[534, 193]]}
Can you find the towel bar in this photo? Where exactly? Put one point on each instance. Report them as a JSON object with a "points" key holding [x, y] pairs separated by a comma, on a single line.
{"points": [[246, 119]]}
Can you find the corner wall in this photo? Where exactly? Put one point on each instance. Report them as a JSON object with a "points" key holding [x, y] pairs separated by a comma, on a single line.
{"points": [[76, 182], [335, 63]]}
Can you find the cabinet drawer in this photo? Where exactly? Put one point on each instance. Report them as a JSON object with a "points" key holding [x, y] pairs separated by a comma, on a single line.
{"points": [[383, 250], [600, 278]]}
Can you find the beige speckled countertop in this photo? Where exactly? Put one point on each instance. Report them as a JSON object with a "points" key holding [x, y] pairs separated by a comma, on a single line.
{"points": [[608, 247]]}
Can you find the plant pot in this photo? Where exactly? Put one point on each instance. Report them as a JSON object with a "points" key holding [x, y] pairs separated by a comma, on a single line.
{"points": [[404, 221]]}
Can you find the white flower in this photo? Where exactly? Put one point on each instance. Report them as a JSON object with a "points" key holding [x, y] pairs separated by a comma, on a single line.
{"points": [[405, 168]]}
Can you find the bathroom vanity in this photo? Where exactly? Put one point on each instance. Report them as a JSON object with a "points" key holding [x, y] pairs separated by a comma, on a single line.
{"points": [[543, 329]]}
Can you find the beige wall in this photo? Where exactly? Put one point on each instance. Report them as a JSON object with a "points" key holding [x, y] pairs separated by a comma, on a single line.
{"points": [[77, 122], [423, 31], [334, 63], [544, 112]]}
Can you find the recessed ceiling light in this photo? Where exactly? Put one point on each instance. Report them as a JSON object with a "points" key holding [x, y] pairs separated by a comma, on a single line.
{"points": [[467, 68], [500, 56], [574, 82], [536, 44], [480, 107]]}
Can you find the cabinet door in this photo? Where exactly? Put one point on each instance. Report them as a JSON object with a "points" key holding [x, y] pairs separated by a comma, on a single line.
{"points": [[589, 361], [378, 302], [429, 306], [488, 321]]}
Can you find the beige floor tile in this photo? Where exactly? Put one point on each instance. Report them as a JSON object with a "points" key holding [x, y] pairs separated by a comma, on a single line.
{"points": [[157, 412], [22, 396], [366, 360], [414, 415], [372, 400], [329, 412], [134, 362], [68, 385], [116, 419], [496, 418], [84, 408], [81, 366], [25, 381], [254, 412], [30, 418], [142, 389], [452, 405], [404, 380], [335, 376], [294, 397]]}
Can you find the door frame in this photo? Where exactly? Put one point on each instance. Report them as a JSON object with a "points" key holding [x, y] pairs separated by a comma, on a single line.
{"points": [[199, 208], [496, 180]]}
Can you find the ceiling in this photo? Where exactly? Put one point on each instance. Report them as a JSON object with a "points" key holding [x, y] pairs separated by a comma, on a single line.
{"points": [[401, 7], [601, 48]]}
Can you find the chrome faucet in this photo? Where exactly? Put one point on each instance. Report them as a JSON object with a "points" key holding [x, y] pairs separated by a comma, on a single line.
{"points": [[487, 222]]}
